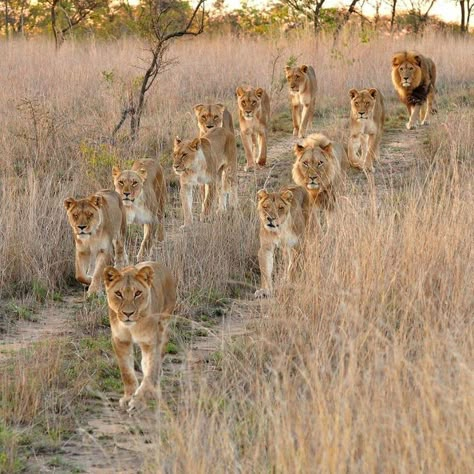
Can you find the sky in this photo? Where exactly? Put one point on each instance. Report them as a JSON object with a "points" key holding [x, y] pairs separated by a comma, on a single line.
{"points": [[447, 10]]}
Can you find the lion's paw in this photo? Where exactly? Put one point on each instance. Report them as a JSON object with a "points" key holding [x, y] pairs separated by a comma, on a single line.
{"points": [[263, 293]]}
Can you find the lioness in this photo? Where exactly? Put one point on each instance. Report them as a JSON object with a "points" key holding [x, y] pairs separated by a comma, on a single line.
{"points": [[414, 79], [283, 217], [254, 117], [98, 223], [143, 193], [367, 119], [303, 87], [141, 300], [210, 161], [210, 116], [317, 168]]}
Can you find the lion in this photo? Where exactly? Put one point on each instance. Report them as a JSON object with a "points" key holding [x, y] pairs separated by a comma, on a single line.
{"points": [[210, 116], [209, 161], [414, 79], [98, 223], [254, 118], [302, 87], [283, 217], [366, 127], [143, 193], [317, 168], [141, 299]]}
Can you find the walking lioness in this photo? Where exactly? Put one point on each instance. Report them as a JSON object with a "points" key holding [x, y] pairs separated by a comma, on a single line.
{"points": [[303, 87], [366, 127], [141, 300], [99, 224], [210, 116], [283, 216], [254, 118], [143, 193]]}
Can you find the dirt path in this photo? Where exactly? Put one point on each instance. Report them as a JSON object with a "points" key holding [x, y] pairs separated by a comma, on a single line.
{"points": [[105, 440]]}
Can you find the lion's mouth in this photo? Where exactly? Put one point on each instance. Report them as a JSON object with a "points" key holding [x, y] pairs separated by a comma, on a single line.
{"points": [[313, 185], [405, 84], [128, 200], [248, 115]]}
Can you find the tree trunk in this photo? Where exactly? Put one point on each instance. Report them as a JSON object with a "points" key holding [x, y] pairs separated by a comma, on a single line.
{"points": [[463, 16], [392, 17]]}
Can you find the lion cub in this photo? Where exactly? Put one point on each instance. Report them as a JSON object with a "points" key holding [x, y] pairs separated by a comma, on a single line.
{"points": [[141, 299], [317, 168], [283, 216], [367, 119], [303, 87], [210, 116], [98, 223], [254, 118], [143, 193], [210, 161]]}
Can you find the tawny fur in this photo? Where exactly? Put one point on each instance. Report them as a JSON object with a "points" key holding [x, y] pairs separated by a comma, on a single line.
{"points": [[141, 299], [143, 193], [254, 119], [366, 127], [302, 87], [98, 223], [414, 79], [283, 218], [211, 116]]}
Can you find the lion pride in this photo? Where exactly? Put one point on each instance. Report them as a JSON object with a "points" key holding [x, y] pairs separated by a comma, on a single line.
{"points": [[414, 79]]}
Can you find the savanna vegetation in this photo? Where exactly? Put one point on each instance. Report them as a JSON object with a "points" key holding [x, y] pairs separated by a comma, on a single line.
{"points": [[363, 364]]}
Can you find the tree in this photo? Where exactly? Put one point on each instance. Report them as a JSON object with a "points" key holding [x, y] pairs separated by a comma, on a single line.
{"points": [[419, 12], [466, 9], [165, 21], [310, 8]]}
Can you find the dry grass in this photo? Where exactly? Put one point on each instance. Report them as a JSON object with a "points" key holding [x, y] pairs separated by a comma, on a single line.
{"points": [[363, 365]]}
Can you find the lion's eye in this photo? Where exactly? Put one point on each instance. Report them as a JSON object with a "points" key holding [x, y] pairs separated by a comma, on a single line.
{"points": [[118, 294], [75, 216], [134, 183], [216, 117], [281, 208], [254, 102], [121, 183], [203, 117], [305, 164], [138, 293], [320, 163]]}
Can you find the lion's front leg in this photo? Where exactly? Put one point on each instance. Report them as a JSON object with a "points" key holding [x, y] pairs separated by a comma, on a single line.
{"points": [[265, 261], [209, 195], [354, 151], [262, 148], [371, 155], [124, 353], [186, 193], [103, 259], [307, 118], [82, 262], [248, 148], [149, 230], [296, 117], [292, 255], [414, 114]]}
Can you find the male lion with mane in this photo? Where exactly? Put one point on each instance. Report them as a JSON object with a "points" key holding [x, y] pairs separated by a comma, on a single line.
{"points": [[317, 168], [283, 217], [99, 224], [141, 299], [414, 79]]}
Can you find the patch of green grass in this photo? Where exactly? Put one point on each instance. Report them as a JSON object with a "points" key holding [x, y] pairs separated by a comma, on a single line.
{"points": [[10, 460], [40, 291], [282, 122], [22, 312], [171, 348]]}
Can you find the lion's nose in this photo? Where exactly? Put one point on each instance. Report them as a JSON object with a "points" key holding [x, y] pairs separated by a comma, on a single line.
{"points": [[361, 113], [81, 227], [126, 194], [210, 126], [406, 78], [128, 314]]}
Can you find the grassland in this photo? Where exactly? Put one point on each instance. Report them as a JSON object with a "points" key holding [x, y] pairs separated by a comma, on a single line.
{"points": [[364, 364]]}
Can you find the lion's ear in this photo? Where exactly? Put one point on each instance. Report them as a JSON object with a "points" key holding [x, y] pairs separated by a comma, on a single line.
{"points": [[197, 108], [304, 68], [396, 60], [96, 200], [146, 275], [259, 92], [287, 69], [195, 143], [327, 148], [239, 91], [353, 93], [142, 172], [298, 148], [116, 171], [373, 92], [221, 107], [287, 195], [417, 58], [110, 275], [261, 194], [176, 142], [69, 202]]}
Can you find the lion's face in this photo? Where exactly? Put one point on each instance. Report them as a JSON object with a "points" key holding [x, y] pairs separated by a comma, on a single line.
{"points": [[184, 155], [274, 208], [129, 292], [296, 77], [314, 167], [209, 116], [249, 101], [129, 184], [84, 215], [407, 66], [363, 103]]}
